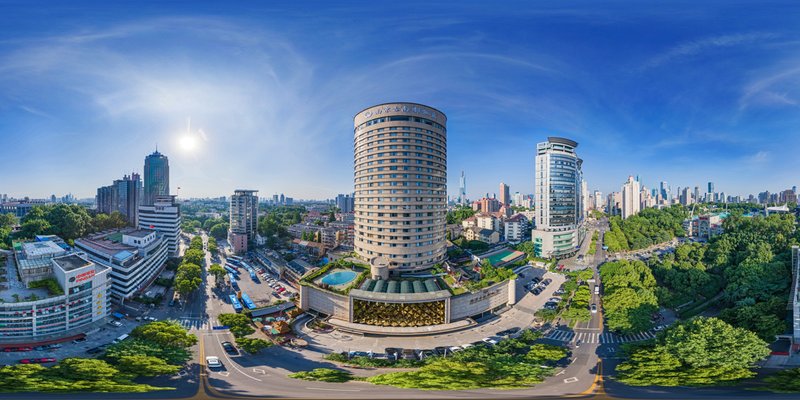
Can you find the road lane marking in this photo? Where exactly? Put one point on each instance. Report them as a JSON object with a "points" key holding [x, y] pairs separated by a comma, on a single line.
{"points": [[224, 353], [571, 380], [334, 390], [259, 371]]}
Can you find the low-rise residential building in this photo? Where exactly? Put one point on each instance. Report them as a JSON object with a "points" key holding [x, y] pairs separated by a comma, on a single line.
{"points": [[515, 227], [135, 256], [314, 249], [238, 242], [483, 235]]}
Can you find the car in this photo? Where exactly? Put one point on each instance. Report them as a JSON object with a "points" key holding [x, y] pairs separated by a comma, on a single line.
{"points": [[393, 353], [454, 349], [659, 328], [536, 280], [441, 351], [10, 349], [508, 332], [490, 340], [151, 319], [230, 348], [578, 343], [466, 346], [95, 350], [547, 281], [425, 353], [79, 340], [115, 323], [52, 346], [550, 305], [42, 360], [537, 291], [555, 299], [593, 308], [213, 362], [409, 354]]}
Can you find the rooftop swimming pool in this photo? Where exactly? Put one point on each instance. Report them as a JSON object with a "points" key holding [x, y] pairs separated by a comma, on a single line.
{"points": [[340, 277]]}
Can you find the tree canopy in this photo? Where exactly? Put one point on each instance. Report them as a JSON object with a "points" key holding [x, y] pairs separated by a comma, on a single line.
{"points": [[629, 300], [701, 351]]}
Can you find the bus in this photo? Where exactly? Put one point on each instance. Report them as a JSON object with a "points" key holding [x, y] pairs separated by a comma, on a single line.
{"points": [[247, 302], [253, 275], [231, 270], [235, 303], [235, 258], [232, 278]]}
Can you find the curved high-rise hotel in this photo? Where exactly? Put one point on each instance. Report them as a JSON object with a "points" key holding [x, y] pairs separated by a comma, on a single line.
{"points": [[559, 210], [401, 184]]}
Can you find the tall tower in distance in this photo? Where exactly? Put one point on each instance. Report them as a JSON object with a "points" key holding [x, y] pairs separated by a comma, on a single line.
{"points": [[558, 175], [462, 189], [156, 177], [400, 182], [505, 194], [631, 197]]}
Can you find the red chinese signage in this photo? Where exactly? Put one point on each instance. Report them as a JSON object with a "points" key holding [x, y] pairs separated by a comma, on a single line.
{"points": [[84, 276]]}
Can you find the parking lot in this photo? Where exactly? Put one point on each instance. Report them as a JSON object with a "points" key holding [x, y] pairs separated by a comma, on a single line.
{"points": [[264, 290]]}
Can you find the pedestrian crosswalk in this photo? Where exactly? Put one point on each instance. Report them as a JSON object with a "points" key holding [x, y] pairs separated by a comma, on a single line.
{"points": [[198, 324], [596, 337]]}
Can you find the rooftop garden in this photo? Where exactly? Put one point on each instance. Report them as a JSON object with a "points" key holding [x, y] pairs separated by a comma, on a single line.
{"points": [[362, 269]]}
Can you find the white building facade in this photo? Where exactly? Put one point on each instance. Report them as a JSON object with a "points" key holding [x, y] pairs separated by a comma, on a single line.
{"points": [[163, 216], [631, 198]]}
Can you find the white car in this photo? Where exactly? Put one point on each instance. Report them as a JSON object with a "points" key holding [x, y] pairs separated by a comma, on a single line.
{"points": [[555, 299], [466, 346], [213, 362], [489, 340]]}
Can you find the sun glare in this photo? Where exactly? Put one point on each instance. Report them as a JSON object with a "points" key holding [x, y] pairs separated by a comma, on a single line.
{"points": [[188, 143]]}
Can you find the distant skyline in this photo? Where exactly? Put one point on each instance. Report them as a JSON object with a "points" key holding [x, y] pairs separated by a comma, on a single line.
{"points": [[676, 92]]}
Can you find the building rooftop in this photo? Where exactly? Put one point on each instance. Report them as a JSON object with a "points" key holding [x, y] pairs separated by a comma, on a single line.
{"points": [[108, 242], [139, 233], [71, 262], [41, 249]]}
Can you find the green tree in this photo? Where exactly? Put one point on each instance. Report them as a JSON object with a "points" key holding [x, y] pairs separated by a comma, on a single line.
{"points": [[540, 353], [701, 351], [86, 369], [252, 345], [141, 365], [239, 324], [165, 333], [786, 381], [135, 347], [219, 231], [212, 245], [194, 256], [323, 375], [219, 273], [188, 278], [33, 227]]}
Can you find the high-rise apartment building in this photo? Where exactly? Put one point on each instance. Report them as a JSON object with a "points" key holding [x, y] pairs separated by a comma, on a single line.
{"points": [[156, 177], [345, 203], [631, 198], [664, 191], [597, 200], [163, 216], [401, 184], [243, 219], [505, 195], [124, 195], [558, 176], [462, 189]]}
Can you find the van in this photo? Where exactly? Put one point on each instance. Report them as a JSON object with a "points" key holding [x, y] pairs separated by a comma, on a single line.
{"points": [[121, 338]]}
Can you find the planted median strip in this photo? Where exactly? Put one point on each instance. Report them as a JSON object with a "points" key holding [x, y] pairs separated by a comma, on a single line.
{"points": [[512, 363]]}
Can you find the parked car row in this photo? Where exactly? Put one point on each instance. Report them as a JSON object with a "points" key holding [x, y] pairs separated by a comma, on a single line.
{"points": [[537, 285], [396, 353]]}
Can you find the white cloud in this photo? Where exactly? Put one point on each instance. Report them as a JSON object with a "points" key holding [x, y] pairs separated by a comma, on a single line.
{"points": [[699, 46]]}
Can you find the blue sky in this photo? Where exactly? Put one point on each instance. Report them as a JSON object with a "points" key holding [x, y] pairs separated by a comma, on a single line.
{"points": [[679, 92]]}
